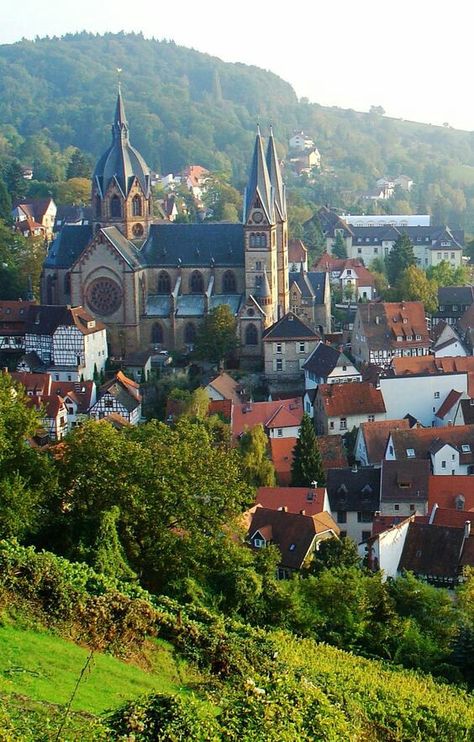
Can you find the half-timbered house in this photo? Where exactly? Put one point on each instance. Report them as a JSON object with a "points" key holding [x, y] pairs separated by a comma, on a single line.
{"points": [[120, 395]]}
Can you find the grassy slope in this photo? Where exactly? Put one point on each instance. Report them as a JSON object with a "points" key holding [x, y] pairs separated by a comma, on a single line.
{"points": [[45, 667]]}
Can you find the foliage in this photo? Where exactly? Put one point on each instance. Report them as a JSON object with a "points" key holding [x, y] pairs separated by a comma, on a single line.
{"points": [[79, 166], [5, 203], [414, 285], [339, 248], [257, 468], [307, 466], [223, 201], [108, 554], [445, 274], [399, 258], [217, 335], [334, 553]]}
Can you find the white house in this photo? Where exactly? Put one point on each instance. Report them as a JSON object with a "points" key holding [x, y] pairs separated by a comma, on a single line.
{"points": [[384, 550], [423, 396], [339, 408], [450, 450]]}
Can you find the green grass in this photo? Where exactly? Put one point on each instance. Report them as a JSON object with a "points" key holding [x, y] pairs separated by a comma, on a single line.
{"points": [[45, 667]]}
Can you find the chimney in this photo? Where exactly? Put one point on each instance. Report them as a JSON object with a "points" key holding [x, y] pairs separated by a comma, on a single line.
{"points": [[314, 484], [467, 529], [302, 512], [433, 513], [283, 508]]}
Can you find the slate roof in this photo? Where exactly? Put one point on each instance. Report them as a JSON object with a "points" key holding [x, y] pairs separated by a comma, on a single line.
{"points": [[404, 481], [234, 301], [190, 305], [194, 245], [274, 173], [295, 499], [431, 550], [422, 440], [311, 284], [354, 489], [458, 295], [44, 319], [158, 305], [126, 248], [289, 327], [292, 533], [258, 184], [324, 359], [350, 399], [68, 245], [376, 435]]}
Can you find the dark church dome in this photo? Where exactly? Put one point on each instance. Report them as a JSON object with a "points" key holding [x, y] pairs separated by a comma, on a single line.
{"points": [[121, 161]]}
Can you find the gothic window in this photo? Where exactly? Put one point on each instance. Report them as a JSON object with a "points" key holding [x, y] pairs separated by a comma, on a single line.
{"points": [[136, 206], [104, 296], [98, 206], [251, 335], [67, 283], [258, 239], [196, 284], [164, 283], [190, 334], [115, 206], [229, 283], [157, 334]]}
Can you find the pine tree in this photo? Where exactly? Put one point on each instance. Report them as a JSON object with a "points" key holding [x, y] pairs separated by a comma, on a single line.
{"points": [[339, 249], [399, 258], [307, 464], [5, 203]]}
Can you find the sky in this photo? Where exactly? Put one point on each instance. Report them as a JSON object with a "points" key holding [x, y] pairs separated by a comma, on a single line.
{"points": [[412, 57]]}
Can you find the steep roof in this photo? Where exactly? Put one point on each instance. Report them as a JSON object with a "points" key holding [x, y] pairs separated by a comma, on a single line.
{"points": [[259, 188], [450, 517], [125, 390], [297, 252], [431, 550], [460, 295], [354, 489], [311, 284], [81, 392], [376, 435], [451, 400], [292, 533], [350, 399], [194, 245], [324, 359], [287, 413], [121, 162], [68, 245], [13, 315], [295, 499], [289, 327], [405, 480], [467, 409], [443, 491], [44, 319], [226, 386], [35, 384], [276, 180], [422, 440]]}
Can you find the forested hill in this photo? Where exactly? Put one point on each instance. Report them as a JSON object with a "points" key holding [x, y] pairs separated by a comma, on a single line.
{"points": [[187, 107]]}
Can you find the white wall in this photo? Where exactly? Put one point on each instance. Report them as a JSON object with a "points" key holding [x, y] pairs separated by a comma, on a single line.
{"points": [[421, 396], [352, 527]]}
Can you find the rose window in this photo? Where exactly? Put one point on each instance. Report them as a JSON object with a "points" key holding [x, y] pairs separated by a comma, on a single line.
{"points": [[104, 296]]}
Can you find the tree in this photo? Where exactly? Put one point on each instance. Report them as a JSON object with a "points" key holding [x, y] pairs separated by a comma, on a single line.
{"points": [[5, 203], [79, 166], [108, 556], [74, 191], [334, 552], [400, 257], [414, 285], [217, 337], [17, 186], [339, 248], [257, 468], [445, 274], [307, 464], [222, 200]]}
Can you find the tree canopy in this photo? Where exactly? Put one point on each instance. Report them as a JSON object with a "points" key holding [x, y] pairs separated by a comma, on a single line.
{"points": [[307, 466]]}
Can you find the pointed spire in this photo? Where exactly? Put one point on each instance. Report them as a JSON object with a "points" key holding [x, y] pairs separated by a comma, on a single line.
{"points": [[276, 180], [265, 291], [120, 125], [259, 186]]}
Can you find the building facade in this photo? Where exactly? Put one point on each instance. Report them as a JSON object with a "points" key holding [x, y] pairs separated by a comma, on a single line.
{"points": [[152, 283]]}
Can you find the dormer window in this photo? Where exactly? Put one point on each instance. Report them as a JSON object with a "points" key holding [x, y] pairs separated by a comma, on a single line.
{"points": [[410, 453], [466, 448]]}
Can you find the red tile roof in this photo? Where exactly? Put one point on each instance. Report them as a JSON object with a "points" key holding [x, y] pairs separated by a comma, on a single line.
{"points": [[376, 436], [277, 414], [444, 490], [36, 384], [448, 404], [226, 386], [13, 315], [221, 407], [304, 500], [405, 366], [453, 518], [282, 458], [350, 399], [80, 391], [297, 252], [333, 453]]}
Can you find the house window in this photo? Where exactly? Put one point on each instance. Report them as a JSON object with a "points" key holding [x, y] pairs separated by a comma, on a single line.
{"points": [[412, 508], [443, 464], [410, 453], [279, 364], [258, 543], [436, 395], [371, 418], [258, 265], [278, 347], [396, 506], [365, 516], [280, 432], [341, 516], [302, 347], [366, 535], [331, 425], [343, 423]]}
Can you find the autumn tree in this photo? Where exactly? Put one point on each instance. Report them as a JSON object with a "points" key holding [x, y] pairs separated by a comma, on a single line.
{"points": [[414, 285], [307, 464], [257, 468], [400, 257], [217, 336]]}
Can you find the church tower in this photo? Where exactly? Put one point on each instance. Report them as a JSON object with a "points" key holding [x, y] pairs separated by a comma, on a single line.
{"points": [[260, 234], [121, 184], [281, 219]]}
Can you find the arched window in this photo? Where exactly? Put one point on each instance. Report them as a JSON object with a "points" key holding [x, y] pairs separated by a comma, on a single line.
{"points": [[115, 206], [164, 283], [67, 283], [136, 206], [196, 284], [157, 334], [98, 206], [229, 284], [251, 335], [190, 334]]}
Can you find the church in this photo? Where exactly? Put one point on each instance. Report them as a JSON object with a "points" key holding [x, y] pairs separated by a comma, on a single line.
{"points": [[151, 282]]}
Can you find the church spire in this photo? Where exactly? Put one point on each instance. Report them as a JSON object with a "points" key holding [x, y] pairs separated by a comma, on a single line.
{"points": [[259, 191], [275, 177], [120, 125]]}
